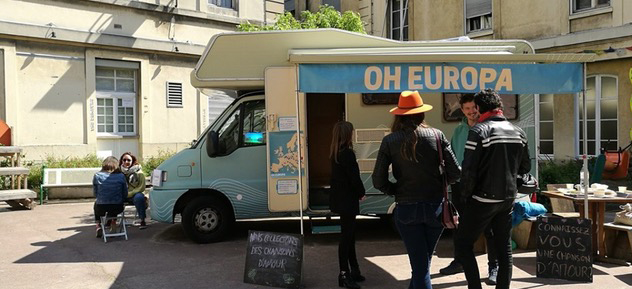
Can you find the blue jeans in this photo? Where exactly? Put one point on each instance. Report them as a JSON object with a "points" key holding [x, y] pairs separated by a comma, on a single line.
{"points": [[139, 202], [420, 228]]}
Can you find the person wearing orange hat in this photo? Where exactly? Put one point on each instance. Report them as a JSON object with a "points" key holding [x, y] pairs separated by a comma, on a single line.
{"points": [[413, 152]]}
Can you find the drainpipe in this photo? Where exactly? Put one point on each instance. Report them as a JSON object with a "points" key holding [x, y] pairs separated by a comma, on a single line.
{"points": [[265, 19]]}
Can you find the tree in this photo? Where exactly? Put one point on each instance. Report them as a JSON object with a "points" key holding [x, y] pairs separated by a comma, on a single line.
{"points": [[326, 17]]}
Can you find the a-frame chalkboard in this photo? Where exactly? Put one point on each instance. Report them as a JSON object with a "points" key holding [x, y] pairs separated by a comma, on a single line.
{"points": [[274, 259], [564, 248]]}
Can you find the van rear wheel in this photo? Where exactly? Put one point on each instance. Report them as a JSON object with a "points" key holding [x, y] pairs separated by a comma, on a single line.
{"points": [[206, 220]]}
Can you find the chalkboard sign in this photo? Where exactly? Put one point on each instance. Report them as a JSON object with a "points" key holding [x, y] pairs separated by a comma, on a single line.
{"points": [[274, 259], [564, 248]]}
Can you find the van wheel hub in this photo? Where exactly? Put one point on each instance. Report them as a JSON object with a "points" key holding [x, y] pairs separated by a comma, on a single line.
{"points": [[206, 220]]}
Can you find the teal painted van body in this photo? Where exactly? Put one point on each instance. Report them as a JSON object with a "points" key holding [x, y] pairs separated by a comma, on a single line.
{"points": [[239, 176]]}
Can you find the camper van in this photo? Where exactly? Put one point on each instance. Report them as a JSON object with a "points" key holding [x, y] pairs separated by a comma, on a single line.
{"points": [[267, 154]]}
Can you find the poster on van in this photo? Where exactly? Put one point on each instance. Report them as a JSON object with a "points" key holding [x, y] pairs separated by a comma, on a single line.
{"points": [[284, 154]]}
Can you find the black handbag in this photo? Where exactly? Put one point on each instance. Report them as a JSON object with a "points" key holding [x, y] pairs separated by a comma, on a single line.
{"points": [[449, 214]]}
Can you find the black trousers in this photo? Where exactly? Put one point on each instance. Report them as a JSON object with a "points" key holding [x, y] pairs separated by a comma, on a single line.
{"points": [[476, 217], [492, 258], [111, 209], [346, 247]]}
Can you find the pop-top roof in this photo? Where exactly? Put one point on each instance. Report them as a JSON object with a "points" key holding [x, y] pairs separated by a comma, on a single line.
{"points": [[238, 60]]}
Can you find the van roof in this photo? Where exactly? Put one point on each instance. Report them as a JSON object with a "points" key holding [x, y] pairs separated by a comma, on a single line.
{"points": [[238, 60]]}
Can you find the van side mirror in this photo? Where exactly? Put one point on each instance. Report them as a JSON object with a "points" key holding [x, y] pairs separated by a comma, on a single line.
{"points": [[212, 144]]}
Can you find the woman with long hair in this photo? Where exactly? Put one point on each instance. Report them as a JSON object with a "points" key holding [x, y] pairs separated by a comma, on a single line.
{"points": [[136, 185], [413, 152], [346, 191], [110, 189]]}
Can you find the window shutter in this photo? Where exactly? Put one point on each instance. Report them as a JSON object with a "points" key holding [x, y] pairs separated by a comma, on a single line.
{"points": [[174, 94], [474, 8]]}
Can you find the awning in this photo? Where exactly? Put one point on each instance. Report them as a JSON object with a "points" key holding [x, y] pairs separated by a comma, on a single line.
{"points": [[480, 54]]}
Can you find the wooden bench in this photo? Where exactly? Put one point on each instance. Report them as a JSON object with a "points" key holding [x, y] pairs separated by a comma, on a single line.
{"points": [[618, 250], [16, 194], [65, 178]]}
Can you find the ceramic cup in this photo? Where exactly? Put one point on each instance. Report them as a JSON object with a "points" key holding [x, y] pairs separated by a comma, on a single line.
{"points": [[623, 189], [569, 186], [600, 192]]}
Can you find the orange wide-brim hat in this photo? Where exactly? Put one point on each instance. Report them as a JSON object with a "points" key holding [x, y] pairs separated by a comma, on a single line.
{"points": [[410, 102]]}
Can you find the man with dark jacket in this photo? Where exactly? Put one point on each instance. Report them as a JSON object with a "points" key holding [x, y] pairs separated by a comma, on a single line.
{"points": [[459, 138], [496, 152]]}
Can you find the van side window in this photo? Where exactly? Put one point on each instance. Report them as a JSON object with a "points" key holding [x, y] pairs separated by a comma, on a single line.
{"points": [[229, 133], [254, 129], [245, 127]]}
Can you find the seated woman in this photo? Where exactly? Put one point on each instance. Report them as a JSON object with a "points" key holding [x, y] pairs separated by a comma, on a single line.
{"points": [[110, 189], [135, 185]]}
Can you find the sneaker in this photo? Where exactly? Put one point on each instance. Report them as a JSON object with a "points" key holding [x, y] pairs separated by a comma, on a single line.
{"points": [[143, 225], [493, 276], [99, 231], [453, 268]]}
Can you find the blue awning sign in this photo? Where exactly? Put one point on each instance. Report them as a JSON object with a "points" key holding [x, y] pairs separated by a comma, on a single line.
{"points": [[441, 77]]}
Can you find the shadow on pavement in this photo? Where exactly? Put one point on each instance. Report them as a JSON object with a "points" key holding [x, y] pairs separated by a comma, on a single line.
{"points": [[163, 257]]}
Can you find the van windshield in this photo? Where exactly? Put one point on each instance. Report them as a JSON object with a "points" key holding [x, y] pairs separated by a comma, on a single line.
{"points": [[196, 141]]}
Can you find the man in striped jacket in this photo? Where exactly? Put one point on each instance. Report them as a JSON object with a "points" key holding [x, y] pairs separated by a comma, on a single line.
{"points": [[496, 152]]}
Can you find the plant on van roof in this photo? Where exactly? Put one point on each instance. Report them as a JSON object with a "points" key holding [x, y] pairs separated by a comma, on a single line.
{"points": [[326, 17]]}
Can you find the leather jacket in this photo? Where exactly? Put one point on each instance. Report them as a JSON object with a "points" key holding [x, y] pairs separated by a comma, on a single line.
{"points": [[496, 152], [416, 181]]}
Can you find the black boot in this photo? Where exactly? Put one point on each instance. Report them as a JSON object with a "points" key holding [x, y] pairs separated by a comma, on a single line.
{"points": [[451, 269], [356, 275], [345, 280]]}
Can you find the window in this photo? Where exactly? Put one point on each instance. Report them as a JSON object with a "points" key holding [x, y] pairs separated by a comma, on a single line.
{"points": [[116, 101], [582, 5], [245, 127], [399, 19], [222, 3], [229, 133], [478, 15], [546, 125], [254, 123], [601, 104]]}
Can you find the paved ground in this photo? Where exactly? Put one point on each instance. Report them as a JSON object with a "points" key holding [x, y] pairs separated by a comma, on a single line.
{"points": [[54, 246]]}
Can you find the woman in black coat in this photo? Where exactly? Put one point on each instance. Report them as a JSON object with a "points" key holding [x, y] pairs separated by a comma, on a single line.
{"points": [[346, 192]]}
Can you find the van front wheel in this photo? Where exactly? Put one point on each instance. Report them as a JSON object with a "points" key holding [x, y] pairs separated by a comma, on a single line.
{"points": [[206, 220]]}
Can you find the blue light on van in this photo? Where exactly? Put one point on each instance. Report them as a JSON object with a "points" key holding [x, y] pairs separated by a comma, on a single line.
{"points": [[254, 138]]}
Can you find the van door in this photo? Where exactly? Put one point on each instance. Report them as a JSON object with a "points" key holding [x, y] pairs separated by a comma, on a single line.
{"points": [[323, 111], [282, 141], [239, 169]]}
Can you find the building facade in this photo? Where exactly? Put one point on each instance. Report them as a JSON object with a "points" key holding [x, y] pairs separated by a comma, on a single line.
{"points": [[105, 77], [603, 27]]}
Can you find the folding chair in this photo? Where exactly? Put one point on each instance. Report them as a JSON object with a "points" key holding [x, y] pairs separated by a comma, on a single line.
{"points": [[120, 229]]}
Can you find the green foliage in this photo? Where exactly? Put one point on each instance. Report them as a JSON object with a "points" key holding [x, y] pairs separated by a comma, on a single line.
{"points": [[559, 172], [152, 162], [326, 17]]}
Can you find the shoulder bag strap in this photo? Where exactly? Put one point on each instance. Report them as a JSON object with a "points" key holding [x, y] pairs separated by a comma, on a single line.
{"points": [[441, 164]]}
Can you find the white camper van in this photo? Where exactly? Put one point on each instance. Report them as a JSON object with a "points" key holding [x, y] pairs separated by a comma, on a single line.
{"points": [[268, 153]]}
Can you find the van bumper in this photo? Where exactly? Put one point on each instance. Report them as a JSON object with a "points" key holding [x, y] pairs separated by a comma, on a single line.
{"points": [[162, 202]]}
